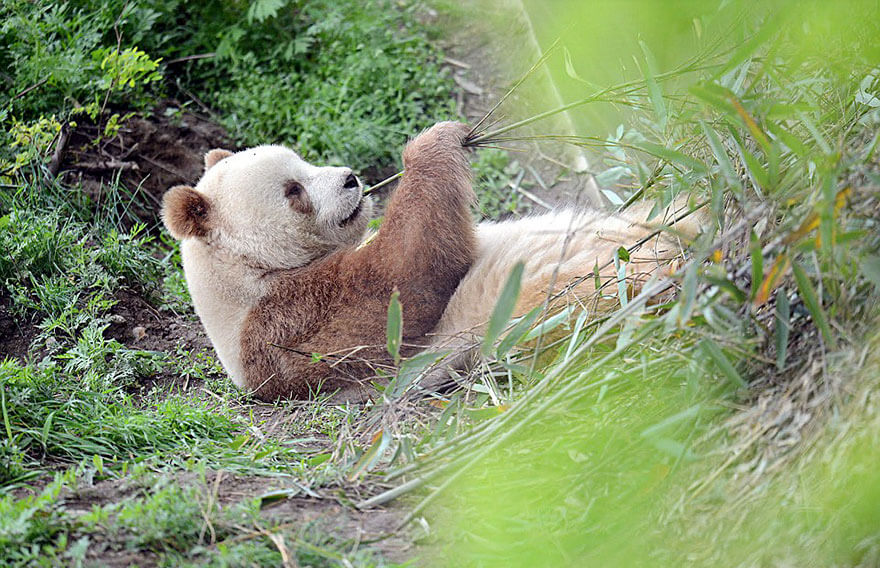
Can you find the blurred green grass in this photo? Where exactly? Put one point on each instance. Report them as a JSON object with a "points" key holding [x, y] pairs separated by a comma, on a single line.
{"points": [[656, 454]]}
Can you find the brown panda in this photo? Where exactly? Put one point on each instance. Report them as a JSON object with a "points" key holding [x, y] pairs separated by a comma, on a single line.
{"points": [[273, 256]]}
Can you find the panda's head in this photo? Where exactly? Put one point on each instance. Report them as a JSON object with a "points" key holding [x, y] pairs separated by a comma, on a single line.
{"points": [[269, 208]]}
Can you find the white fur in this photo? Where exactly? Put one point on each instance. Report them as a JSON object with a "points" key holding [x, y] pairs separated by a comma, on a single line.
{"points": [[556, 248]]}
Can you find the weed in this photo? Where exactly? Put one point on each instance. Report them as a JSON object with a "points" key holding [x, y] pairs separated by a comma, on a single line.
{"points": [[494, 177], [103, 365]]}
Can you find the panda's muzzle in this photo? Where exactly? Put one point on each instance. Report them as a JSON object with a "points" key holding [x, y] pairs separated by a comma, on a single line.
{"points": [[354, 213]]}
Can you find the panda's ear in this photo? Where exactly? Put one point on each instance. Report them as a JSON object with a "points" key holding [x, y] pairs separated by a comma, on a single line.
{"points": [[215, 156], [186, 212]]}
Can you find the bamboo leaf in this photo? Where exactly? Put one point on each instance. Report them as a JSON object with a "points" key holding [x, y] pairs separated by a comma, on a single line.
{"points": [[725, 284], [751, 124], [783, 317], [381, 441], [272, 497], [826, 214], [773, 278], [672, 156], [673, 448], [673, 420], [411, 368], [394, 329], [503, 308], [759, 173], [789, 139], [715, 96], [620, 266], [722, 158], [518, 332], [814, 131], [575, 334], [650, 72], [813, 303], [714, 352], [757, 257], [549, 324], [688, 294], [870, 266]]}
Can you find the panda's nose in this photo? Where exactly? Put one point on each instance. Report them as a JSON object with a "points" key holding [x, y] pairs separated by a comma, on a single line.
{"points": [[351, 182]]}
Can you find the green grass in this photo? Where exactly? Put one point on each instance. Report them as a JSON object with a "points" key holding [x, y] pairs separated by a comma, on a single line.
{"points": [[180, 523], [494, 175]]}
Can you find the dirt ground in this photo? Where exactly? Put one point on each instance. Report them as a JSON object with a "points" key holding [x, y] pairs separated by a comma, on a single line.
{"points": [[151, 154], [303, 508]]}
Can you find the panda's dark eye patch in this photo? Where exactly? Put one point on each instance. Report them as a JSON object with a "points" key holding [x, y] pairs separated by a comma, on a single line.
{"points": [[293, 188], [297, 196]]}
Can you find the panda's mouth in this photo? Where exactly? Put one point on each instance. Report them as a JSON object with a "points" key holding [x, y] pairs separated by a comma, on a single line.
{"points": [[355, 212]]}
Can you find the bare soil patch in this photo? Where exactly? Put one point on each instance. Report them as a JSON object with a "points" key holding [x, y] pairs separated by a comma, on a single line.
{"points": [[16, 334], [148, 155]]}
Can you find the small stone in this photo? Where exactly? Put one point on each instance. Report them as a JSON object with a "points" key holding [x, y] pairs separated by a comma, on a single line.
{"points": [[116, 318], [138, 332]]}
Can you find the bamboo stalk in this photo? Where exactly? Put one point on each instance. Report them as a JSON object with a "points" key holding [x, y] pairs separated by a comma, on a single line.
{"points": [[384, 182], [541, 60]]}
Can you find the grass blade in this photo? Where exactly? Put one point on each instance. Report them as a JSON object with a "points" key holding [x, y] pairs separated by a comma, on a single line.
{"points": [[714, 352], [503, 308], [783, 316], [814, 305], [394, 329]]}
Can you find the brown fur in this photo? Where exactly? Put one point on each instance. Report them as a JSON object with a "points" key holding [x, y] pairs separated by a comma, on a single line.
{"points": [[338, 304], [186, 212], [214, 156]]}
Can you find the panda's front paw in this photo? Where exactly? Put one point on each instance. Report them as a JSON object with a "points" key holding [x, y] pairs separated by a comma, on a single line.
{"points": [[449, 133], [437, 146]]}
